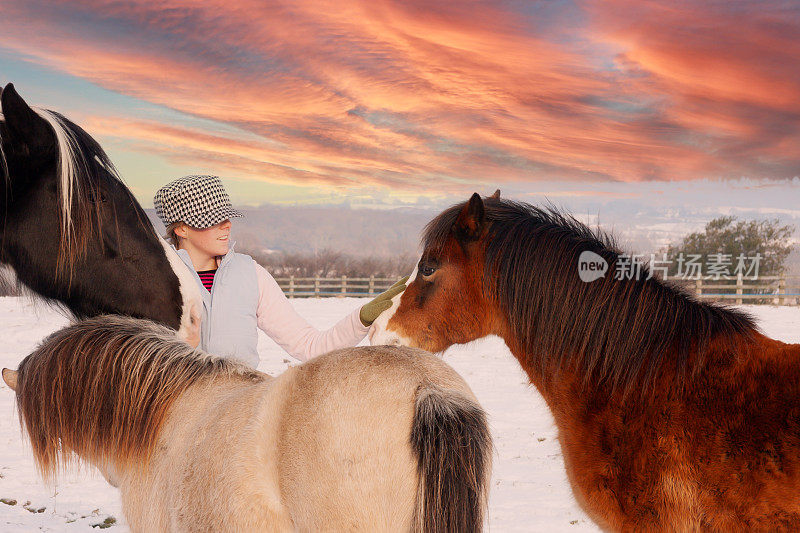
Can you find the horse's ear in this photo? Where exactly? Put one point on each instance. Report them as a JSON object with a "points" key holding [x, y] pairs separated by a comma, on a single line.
{"points": [[10, 377], [471, 220], [496, 195], [25, 127]]}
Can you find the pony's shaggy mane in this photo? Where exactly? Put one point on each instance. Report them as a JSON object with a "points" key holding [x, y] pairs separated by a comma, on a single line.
{"points": [[101, 389], [618, 331]]}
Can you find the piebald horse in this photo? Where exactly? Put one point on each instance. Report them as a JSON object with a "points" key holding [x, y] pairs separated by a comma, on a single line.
{"points": [[362, 439], [673, 414], [71, 231]]}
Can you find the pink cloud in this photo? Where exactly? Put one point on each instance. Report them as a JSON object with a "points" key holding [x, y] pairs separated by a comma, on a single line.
{"points": [[397, 94]]}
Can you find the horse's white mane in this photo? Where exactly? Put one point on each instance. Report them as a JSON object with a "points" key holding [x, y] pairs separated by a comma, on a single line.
{"points": [[3, 164], [69, 161]]}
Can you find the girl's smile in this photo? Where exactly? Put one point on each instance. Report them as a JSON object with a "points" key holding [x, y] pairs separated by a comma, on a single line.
{"points": [[205, 245]]}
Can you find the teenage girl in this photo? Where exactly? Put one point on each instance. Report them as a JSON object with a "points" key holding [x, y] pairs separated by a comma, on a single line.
{"points": [[239, 295]]}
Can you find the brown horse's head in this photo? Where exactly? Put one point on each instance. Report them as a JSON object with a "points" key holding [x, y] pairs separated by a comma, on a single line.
{"points": [[492, 266], [446, 301]]}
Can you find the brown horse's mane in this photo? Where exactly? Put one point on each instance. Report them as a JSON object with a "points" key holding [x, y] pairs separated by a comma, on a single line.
{"points": [[618, 331], [101, 389]]}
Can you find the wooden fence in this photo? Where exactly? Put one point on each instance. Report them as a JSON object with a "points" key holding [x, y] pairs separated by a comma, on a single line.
{"points": [[338, 287], [777, 290]]}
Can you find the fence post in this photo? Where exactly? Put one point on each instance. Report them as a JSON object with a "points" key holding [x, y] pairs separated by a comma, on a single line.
{"points": [[739, 287], [372, 284], [782, 289], [699, 287], [316, 287], [291, 286], [344, 286]]}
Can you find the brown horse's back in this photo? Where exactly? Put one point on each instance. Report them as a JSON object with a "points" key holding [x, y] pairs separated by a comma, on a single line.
{"points": [[746, 412], [724, 455]]}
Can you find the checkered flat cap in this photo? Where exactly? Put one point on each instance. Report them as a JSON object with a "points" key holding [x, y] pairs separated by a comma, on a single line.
{"points": [[199, 201]]}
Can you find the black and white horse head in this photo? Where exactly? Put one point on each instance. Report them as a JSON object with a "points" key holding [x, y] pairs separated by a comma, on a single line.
{"points": [[72, 231]]}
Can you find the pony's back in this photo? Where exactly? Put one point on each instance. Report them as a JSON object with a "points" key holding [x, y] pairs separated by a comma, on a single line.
{"points": [[351, 439], [344, 440]]}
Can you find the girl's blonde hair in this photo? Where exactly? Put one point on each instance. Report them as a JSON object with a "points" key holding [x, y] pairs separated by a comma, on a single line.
{"points": [[172, 237]]}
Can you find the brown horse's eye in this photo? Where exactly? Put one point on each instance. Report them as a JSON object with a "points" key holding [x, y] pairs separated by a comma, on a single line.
{"points": [[427, 270]]}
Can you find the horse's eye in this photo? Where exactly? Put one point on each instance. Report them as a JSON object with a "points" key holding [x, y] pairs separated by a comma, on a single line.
{"points": [[427, 270], [96, 197]]}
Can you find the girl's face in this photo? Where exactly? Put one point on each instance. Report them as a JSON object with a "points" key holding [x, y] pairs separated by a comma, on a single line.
{"points": [[211, 241]]}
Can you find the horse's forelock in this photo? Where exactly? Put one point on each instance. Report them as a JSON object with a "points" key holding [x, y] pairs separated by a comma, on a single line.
{"points": [[70, 167], [78, 154], [438, 230], [101, 389], [3, 164]]}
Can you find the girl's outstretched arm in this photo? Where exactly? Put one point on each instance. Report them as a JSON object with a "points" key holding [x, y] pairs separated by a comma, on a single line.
{"points": [[277, 318]]}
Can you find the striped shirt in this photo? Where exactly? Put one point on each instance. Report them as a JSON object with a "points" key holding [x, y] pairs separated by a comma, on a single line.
{"points": [[207, 277]]}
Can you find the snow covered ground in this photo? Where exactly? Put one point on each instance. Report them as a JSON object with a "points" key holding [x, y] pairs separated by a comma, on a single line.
{"points": [[529, 487]]}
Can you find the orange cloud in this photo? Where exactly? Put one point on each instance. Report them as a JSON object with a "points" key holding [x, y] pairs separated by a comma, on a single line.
{"points": [[407, 95], [726, 73]]}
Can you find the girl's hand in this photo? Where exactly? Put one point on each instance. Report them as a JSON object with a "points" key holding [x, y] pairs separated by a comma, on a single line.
{"points": [[382, 302]]}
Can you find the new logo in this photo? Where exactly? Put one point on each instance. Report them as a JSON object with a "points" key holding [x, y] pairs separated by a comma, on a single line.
{"points": [[591, 266]]}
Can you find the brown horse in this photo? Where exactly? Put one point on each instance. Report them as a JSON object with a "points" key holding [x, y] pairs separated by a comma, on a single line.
{"points": [[361, 439], [673, 414]]}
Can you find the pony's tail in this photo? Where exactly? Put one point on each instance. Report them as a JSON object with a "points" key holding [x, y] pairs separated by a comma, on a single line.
{"points": [[453, 446]]}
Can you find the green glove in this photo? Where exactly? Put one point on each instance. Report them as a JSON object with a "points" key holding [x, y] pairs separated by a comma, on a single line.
{"points": [[382, 302]]}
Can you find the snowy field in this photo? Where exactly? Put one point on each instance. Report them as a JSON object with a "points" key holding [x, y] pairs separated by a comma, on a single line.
{"points": [[529, 488]]}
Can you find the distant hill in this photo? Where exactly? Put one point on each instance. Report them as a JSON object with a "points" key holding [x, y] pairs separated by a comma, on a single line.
{"points": [[357, 232], [384, 233]]}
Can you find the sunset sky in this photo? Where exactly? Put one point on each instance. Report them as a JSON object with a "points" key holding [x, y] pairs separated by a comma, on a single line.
{"points": [[382, 103]]}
